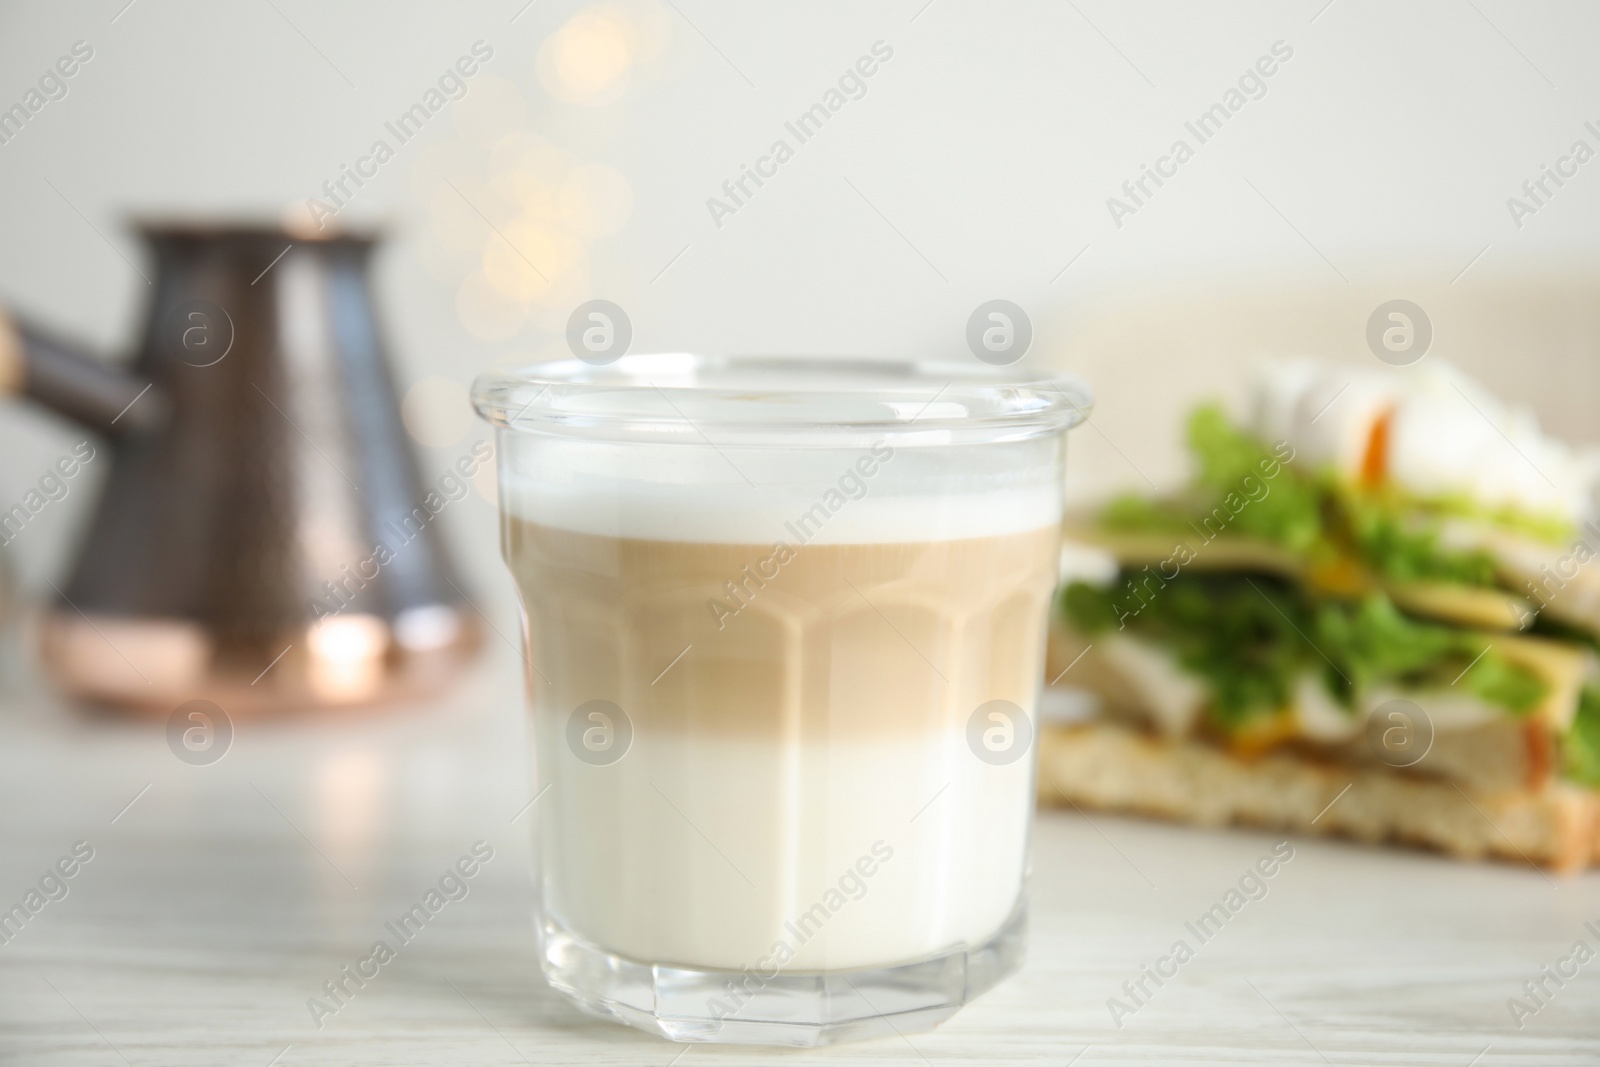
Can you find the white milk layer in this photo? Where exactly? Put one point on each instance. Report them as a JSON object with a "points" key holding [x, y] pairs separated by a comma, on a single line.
{"points": [[676, 493], [788, 858]]}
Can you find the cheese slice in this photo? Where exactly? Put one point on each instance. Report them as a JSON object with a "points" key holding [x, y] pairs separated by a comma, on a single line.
{"points": [[1562, 580], [1561, 665], [1464, 605]]}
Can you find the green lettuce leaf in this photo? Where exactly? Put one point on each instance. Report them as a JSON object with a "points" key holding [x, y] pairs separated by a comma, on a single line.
{"points": [[1249, 637], [1581, 745], [1402, 543], [1280, 505]]}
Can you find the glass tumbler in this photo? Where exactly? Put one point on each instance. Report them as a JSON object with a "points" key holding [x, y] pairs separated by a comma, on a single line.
{"points": [[784, 629]]}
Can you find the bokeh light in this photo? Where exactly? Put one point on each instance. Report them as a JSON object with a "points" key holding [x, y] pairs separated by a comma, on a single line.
{"points": [[534, 261], [513, 216], [586, 61]]}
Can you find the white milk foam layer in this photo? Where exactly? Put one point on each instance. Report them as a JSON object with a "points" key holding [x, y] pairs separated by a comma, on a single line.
{"points": [[834, 497]]}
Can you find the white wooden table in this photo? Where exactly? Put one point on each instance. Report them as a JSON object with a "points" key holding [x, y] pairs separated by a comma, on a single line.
{"points": [[225, 895]]}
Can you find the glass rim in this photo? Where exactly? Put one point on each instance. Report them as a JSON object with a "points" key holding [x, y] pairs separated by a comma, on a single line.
{"points": [[766, 395]]}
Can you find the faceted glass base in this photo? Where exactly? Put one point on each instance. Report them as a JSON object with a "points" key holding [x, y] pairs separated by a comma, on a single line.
{"points": [[799, 1009]]}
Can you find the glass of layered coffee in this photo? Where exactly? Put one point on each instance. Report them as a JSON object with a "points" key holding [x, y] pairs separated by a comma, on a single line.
{"points": [[785, 627]]}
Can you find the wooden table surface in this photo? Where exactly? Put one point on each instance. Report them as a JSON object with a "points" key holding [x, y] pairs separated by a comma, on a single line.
{"points": [[219, 899]]}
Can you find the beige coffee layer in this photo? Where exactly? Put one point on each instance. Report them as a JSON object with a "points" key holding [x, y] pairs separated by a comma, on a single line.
{"points": [[813, 642]]}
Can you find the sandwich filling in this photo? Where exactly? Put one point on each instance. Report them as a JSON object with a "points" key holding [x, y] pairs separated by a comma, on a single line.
{"points": [[1327, 558]]}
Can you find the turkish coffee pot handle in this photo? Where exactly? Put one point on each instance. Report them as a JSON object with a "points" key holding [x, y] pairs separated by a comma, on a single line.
{"points": [[59, 375]]}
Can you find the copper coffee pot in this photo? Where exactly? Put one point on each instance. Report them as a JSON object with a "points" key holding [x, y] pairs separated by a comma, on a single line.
{"points": [[264, 540]]}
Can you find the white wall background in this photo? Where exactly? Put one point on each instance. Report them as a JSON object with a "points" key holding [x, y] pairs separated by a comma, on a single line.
{"points": [[1377, 165]]}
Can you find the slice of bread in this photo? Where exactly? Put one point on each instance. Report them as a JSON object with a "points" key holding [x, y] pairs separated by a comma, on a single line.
{"points": [[1110, 766]]}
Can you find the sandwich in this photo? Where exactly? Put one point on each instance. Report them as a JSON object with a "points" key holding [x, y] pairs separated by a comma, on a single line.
{"points": [[1372, 611]]}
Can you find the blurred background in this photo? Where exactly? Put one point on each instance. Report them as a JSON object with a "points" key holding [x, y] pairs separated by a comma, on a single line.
{"points": [[997, 151], [1376, 163]]}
